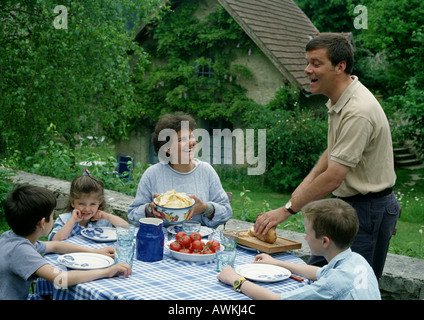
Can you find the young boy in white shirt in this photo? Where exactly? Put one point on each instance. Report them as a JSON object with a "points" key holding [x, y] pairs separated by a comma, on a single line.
{"points": [[331, 226]]}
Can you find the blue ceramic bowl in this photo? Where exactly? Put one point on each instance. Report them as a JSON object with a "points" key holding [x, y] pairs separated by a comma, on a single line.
{"points": [[174, 215]]}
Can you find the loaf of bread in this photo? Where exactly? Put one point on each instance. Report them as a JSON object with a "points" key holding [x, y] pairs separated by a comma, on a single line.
{"points": [[270, 237]]}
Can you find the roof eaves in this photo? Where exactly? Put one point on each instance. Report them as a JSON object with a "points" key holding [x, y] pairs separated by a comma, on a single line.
{"points": [[264, 48]]}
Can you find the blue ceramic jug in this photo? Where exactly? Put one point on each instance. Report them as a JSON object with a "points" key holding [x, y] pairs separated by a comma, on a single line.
{"points": [[150, 240]]}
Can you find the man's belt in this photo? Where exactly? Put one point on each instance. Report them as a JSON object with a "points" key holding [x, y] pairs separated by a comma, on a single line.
{"points": [[370, 195]]}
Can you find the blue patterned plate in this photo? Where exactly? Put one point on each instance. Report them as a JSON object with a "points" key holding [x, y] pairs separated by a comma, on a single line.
{"points": [[102, 234], [85, 260], [263, 272]]}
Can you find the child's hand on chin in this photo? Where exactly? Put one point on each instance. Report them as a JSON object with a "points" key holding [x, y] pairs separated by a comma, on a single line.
{"points": [[99, 215], [77, 215]]}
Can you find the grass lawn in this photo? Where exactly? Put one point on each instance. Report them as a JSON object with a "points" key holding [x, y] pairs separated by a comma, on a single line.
{"points": [[247, 204], [408, 241], [409, 190]]}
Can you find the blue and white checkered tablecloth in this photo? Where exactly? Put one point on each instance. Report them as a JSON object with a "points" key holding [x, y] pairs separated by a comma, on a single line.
{"points": [[168, 279]]}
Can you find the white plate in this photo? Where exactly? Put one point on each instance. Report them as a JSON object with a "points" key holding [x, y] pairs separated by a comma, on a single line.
{"points": [[189, 256], [248, 248], [102, 234], [85, 260], [204, 231], [263, 272]]}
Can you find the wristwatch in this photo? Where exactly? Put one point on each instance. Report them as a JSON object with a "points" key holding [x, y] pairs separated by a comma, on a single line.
{"points": [[237, 284], [289, 209]]}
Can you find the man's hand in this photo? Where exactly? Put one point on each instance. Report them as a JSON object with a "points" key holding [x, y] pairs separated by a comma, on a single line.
{"points": [[267, 220]]}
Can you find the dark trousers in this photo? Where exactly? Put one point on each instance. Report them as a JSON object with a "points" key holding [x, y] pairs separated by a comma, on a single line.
{"points": [[377, 221]]}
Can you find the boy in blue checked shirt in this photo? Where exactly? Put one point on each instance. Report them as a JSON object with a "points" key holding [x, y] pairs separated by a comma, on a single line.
{"points": [[330, 226], [29, 212]]}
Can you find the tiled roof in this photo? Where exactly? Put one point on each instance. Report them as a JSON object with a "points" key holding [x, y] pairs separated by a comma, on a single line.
{"points": [[280, 29]]}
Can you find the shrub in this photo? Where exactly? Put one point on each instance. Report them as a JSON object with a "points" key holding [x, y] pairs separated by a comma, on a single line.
{"points": [[410, 107], [295, 139], [5, 188]]}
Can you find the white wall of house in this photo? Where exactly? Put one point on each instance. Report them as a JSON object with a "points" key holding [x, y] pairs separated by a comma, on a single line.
{"points": [[137, 146], [266, 79]]}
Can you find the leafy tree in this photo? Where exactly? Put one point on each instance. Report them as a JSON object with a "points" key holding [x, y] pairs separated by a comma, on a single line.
{"points": [[328, 16], [396, 28], [393, 27], [78, 78], [409, 106]]}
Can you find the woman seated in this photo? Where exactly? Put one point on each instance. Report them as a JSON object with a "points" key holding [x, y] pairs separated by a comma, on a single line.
{"points": [[179, 170]]}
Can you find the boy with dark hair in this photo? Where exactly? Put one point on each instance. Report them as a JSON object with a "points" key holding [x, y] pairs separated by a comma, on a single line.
{"points": [[29, 212], [331, 226]]}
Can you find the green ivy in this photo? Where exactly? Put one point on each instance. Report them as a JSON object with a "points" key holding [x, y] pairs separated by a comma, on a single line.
{"points": [[187, 44]]}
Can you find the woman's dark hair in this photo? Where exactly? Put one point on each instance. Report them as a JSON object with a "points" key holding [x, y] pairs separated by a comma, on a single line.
{"points": [[26, 205], [170, 121]]}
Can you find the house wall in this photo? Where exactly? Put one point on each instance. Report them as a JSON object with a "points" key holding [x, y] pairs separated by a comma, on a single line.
{"points": [[261, 88], [137, 146], [266, 79], [206, 7]]}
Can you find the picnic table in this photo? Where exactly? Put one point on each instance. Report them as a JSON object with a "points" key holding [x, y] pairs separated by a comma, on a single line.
{"points": [[167, 279]]}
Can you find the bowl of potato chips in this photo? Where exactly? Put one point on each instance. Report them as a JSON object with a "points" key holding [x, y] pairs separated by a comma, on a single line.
{"points": [[173, 206]]}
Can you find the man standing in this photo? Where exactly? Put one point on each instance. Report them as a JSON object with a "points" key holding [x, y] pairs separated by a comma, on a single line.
{"points": [[358, 164]]}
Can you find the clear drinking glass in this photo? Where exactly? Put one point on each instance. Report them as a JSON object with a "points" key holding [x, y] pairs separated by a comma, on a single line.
{"points": [[225, 258], [191, 226], [228, 239], [226, 254], [125, 233], [124, 252]]}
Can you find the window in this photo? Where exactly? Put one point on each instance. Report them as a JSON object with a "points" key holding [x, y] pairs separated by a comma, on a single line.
{"points": [[204, 67]]}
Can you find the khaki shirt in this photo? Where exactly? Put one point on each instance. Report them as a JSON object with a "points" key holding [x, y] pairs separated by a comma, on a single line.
{"points": [[359, 137]]}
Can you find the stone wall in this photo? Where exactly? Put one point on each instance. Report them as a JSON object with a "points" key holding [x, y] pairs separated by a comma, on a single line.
{"points": [[403, 277], [117, 203]]}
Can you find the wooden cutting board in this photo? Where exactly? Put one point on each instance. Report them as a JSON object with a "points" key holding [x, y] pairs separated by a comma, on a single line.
{"points": [[281, 244]]}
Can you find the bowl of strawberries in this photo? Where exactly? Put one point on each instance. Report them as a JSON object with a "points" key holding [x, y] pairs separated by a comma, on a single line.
{"points": [[192, 248]]}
